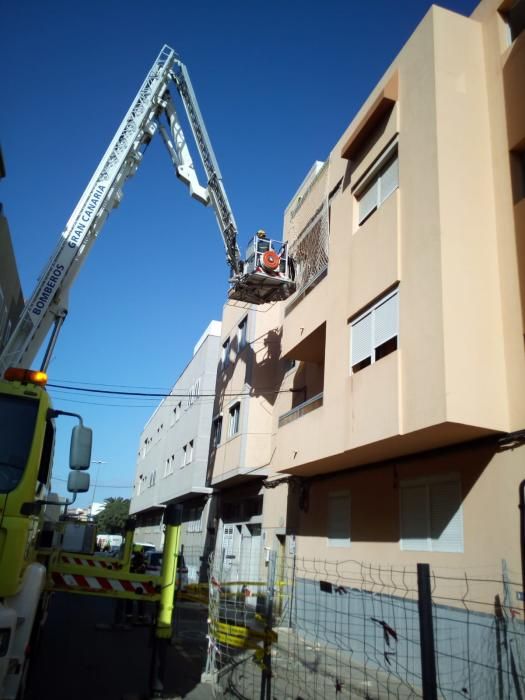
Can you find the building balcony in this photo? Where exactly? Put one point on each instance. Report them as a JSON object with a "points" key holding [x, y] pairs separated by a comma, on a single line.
{"points": [[238, 459]]}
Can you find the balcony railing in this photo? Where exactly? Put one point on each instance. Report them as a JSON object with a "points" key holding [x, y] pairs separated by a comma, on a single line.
{"points": [[309, 250], [301, 410]]}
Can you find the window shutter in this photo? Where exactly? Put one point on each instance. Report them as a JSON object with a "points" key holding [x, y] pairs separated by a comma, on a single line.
{"points": [[389, 180], [361, 339], [446, 517], [339, 520], [414, 518], [386, 320], [368, 201]]}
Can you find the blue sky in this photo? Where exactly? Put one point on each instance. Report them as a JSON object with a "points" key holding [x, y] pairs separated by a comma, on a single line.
{"points": [[277, 83]]}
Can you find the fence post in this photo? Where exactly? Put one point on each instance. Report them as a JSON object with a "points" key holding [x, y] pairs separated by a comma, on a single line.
{"points": [[266, 674], [426, 633]]}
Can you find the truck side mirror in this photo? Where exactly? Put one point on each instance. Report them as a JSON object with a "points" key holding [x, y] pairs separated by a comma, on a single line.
{"points": [[80, 449], [78, 482]]}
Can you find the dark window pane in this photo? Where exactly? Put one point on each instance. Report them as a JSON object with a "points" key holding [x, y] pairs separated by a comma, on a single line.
{"points": [[516, 18], [17, 426], [386, 348], [47, 453], [361, 365]]}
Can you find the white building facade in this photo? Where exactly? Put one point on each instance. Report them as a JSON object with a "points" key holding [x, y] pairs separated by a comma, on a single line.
{"points": [[173, 457]]}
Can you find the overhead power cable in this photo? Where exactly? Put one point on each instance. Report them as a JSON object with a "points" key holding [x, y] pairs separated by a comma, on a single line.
{"points": [[79, 382], [113, 392], [105, 486]]}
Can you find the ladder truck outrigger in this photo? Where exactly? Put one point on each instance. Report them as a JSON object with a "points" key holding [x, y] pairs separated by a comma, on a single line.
{"points": [[27, 418]]}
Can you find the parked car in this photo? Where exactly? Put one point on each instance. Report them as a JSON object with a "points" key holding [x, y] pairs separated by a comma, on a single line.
{"points": [[154, 566], [143, 547]]}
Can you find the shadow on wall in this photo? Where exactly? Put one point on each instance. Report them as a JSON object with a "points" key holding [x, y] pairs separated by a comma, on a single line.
{"points": [[513, 72], [375, 502], [264, 369]]}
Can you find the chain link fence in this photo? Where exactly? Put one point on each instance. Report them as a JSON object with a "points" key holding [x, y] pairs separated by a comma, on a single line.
{"points": [[317, 629]]}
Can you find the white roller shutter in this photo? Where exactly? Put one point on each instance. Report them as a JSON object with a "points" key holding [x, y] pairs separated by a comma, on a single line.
{"points": [[361, 339], [446, 517], [339, 520], [414, 518], [386, 320], [389, 179], [368, 201]]}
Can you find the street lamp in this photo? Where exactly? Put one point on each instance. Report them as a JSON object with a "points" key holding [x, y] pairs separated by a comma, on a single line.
{"points": [[98, 462]]}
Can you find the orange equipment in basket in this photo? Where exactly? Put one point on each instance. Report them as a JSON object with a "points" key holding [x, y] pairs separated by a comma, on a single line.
{"points": [[271, 261]]}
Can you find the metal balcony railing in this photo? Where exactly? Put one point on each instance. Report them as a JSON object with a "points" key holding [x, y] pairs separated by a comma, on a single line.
{"points": [[301, 410]]}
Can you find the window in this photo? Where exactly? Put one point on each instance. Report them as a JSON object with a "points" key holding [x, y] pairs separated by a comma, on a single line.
{"points": [[517, 169], [17, 426], [184, 456], [225, 357], [431, 516], [152, 478], [241, 333], [194, 392], [47, 452], [189, 452], [217, 431], [168, 467], [382, 183], [235, 412], [177, 410], [514, 18], [195, 520], [339, 519], [373, 334]]}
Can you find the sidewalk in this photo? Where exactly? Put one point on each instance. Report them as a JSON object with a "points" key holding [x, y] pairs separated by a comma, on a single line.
{"points": [[302, 669]]}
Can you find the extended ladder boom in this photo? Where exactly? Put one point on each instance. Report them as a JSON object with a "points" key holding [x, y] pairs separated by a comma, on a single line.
{"points": [[219, 200], [48, 302], [47, 305]]}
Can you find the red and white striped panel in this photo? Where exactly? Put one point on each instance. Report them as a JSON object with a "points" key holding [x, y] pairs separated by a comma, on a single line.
{"points": [[95, 563], [103, 585]]}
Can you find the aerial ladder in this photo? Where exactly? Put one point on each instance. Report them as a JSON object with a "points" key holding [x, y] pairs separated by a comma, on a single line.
{"points": [[27, 427], [265, 275]]}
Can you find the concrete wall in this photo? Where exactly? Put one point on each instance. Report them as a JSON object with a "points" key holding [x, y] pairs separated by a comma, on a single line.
{"points": [[489, 478], [436, 239], [473, 654]]}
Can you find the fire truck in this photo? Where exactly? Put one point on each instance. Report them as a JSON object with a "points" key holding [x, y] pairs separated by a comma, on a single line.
{"points": [[28, 421]]}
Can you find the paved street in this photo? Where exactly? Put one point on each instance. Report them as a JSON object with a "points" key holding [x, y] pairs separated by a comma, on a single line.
{"points": [[83, 655]]}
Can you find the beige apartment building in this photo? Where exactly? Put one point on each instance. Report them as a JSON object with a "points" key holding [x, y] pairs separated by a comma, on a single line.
{"points": [[388, 394]]}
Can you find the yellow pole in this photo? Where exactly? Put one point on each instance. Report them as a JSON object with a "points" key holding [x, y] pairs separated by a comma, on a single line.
{"points": [[128, 542], [163, 629], [168, 575]]}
